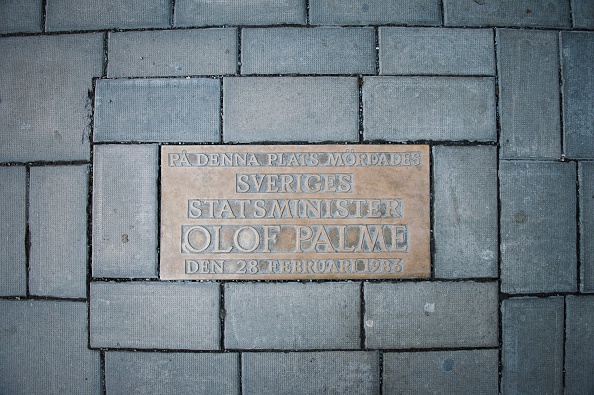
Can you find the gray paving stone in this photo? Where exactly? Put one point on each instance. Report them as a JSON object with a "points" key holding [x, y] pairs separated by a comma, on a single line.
{"points": [[529, 93], [43, 349], [465, 211], [292, 315], [290, 109], [536, 13], [58, 224], [578, 93], [538, 227], [20, 16], [579, 358], [44, 83], [452, 372], [323, 50], [374, 12], [532, 348], [159, 110], [245, 12], [172, 53], [171, 373], [13, 221], [106, 14], [586, 180], [430, 314], [582, 12], [336, 372], [418, 50], [155, 315], [421, 108], [125, 211]]}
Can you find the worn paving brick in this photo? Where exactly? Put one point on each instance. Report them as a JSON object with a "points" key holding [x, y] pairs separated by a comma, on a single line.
{"points": [[578, 93], [158, 110], [106, 14], [373, 12], [579, 358], [421, 108], [410, 50], [535, 13], [20, 16], [582, 12], [155, 315], [529, 93], [43, 349], [323, 50], [586, 180], [292, 315], [172, 53], [13, 221], [465, 211], [125, 211], [58, 223], [532, 348], [453, 372], [538, 226], [245, 12], [44, 82], [430, 314], [171, 373], [336, 372], [311, 109]]}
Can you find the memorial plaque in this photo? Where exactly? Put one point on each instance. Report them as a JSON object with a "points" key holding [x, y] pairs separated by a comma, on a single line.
{"points": [[294, 212]]}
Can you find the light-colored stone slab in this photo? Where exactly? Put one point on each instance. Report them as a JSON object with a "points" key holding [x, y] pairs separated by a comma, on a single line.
{"points": [[579, 358], [586, 194]]}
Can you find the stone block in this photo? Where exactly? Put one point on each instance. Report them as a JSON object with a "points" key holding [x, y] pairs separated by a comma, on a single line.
{"points": [[45, 83], [538, 226], [586, 180], [521, 13], [529, 93], [172, 53], [421, 108], [20, 16], [292, 315], [159, 110], [313, 109], [163, 315], [130, 372], [465, 211], [577, 53], [106, 14], [301, 373], [436, 372], [430, 314], [125, 211], [43, 349], [582, 12], [58, 222], [375, 12], [418, 50], [579, 358], [323, 50], [532, 348], [13, 225]]}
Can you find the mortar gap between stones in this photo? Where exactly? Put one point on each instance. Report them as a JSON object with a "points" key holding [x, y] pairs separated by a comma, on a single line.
{"points": [[102, 372], [222, 313], [27, 230], [381, 371], [362, 315], [172, 14]]}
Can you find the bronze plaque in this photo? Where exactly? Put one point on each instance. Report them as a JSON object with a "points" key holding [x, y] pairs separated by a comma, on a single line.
{"points": [[294, 212]]}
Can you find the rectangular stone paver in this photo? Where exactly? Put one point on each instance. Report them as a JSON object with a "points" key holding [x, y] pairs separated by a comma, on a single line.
{"points": [[538, 226], [172, 53], [155, 315], [582, 12], [579, 358], [311, 109], [436, 372], [171, 373], [324, 50], [421, 108], [586, 180], [529, 93], [43, 349], [292, 315], [430, 314], [532, 349], [58, 222], [159, 110], [13, 225], [336, 372], [417, 50], [20, 16], [125, 210], [465, 211]]}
